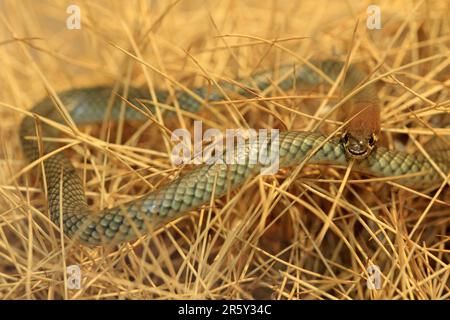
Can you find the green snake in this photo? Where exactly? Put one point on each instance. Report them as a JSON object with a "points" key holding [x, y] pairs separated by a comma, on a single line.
{"points": [[195, 188]]}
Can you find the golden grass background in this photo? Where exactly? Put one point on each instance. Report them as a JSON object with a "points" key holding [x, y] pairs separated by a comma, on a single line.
{"points": [[263, 241]]}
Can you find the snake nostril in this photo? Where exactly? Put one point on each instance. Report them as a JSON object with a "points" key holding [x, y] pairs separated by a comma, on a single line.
{"points": [[358, 147]]}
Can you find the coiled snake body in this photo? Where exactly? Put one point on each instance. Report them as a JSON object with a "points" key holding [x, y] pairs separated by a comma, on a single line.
{"points": [[195, 188]]}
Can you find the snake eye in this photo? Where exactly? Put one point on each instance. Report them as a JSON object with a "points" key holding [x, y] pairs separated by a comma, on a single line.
{"points": [[372, 140], [345, 137]]}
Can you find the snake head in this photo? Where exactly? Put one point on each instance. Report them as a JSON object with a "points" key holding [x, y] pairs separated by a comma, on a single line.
{"points": [[358, 146]]}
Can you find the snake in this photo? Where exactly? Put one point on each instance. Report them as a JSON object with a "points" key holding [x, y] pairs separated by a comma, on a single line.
{"points": [[128, 221]]}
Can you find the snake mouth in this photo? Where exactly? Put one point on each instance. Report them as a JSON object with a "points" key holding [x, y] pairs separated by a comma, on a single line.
{"points": [[358, 148], [357, 154]]}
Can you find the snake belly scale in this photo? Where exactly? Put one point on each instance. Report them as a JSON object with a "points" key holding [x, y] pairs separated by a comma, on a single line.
{"points": [[195, 188]]}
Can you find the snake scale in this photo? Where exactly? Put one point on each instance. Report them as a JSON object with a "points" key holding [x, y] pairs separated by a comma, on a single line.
{"points": [[195, 188]]}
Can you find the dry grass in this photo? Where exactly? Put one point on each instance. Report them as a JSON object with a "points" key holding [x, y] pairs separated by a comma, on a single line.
{"points": [[295, 235]]}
